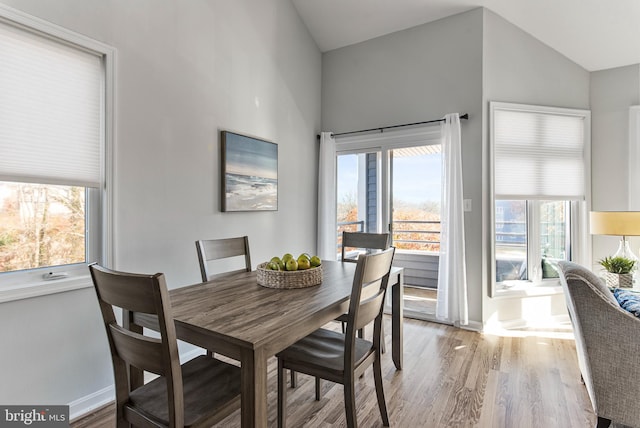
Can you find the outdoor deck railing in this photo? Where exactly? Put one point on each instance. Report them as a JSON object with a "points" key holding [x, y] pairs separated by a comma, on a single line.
{"points": [[415, 238], [506, 238]]}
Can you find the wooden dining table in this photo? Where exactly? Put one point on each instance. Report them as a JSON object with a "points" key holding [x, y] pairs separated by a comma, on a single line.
{"points": [[234, 316]]}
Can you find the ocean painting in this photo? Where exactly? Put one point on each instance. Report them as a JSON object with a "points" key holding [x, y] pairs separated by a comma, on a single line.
{"points": [[250, 173]]}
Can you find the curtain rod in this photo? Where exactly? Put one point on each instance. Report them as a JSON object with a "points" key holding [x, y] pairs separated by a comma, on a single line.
{"points": [[382, 128]]}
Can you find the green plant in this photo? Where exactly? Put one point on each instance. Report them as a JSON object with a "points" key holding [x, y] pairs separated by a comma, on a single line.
{"points": [[618, 264]]}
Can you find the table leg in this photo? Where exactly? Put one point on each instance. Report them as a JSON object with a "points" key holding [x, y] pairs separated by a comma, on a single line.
{"points": [[397, 308], [253, 393]]}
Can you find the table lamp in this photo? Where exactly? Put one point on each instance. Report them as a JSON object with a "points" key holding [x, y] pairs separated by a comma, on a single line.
{"points": [[617, 223]]}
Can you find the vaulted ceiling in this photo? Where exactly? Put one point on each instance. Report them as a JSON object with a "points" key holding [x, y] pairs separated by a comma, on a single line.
{"points": [[596, 34]]}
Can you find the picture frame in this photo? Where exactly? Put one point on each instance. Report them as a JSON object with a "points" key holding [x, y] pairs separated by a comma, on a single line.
{"points": [[249, 173]]}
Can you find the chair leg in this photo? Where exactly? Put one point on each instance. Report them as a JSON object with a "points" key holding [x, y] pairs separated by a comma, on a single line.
{"points": [[282, 395], [383, 347], [318, 380], [294, 379], [603, 422], [209, 354], [382, 405], [350, 404]]}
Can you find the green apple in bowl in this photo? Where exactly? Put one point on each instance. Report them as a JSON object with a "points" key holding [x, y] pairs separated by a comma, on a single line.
{"points": [[304, 263], [291, 264], [279, 261], [287, 257]]}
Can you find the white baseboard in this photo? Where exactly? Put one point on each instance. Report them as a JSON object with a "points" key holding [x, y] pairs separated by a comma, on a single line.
{"points": [[88, 403], [473, 326], [95, 400]]}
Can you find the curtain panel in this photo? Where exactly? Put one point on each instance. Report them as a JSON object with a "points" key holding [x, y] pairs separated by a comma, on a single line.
{"points": [[452, 305], [327, 229]]}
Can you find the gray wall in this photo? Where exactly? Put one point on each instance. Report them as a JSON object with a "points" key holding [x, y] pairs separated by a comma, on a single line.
{"points": [[520, 69], [612, 93], [417, 74], [185, 70]]}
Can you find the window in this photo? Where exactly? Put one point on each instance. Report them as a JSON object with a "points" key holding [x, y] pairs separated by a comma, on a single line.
{"points": [[54, 139], [416, 174], [540, 170]]}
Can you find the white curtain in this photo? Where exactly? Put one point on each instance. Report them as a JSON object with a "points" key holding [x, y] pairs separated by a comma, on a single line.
{"points": [[327, 231], [452, 303]]}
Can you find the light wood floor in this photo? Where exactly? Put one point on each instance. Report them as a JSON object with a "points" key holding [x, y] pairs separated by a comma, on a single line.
{"points": [[420, 300], [451, 378]]}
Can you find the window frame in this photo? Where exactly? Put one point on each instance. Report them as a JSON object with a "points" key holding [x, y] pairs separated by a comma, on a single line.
{"points": [[22, 284], [580, 240]]}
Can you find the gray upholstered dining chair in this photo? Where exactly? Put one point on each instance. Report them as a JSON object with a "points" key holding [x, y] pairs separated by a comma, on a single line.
{"points": [[211, 250], [341, 358], [608, 346], [198, 393]]}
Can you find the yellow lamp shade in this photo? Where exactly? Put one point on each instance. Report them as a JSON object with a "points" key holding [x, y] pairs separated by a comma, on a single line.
{"points": [[619, 223]]}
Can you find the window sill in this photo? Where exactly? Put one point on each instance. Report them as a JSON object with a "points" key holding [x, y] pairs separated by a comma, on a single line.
{"points": [[521, 289], [43, 288]]}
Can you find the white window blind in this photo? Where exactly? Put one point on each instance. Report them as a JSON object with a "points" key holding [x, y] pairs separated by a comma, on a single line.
{"points": [[51, 109], [539, 154]]}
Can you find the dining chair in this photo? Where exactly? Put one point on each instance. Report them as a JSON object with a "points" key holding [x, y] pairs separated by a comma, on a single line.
{"points": [[361, 243], [356, 243], [200, 392], [227, 249], [338, 357]]}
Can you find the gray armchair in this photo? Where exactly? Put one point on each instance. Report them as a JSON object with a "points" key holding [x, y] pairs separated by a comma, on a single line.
{"points": [[608, 346]]}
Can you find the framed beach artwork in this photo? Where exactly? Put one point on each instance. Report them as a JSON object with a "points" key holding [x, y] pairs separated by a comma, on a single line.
{"points": [[249, 173]]}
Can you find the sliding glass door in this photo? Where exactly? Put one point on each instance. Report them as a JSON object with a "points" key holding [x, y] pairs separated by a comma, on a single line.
{"points": [[398, 190]]}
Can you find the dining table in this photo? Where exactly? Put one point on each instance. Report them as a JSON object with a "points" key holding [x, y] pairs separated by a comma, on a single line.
{"points": [[234, 316]]}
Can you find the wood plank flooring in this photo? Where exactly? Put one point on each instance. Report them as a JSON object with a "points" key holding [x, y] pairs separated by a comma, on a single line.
{"points": [[420, 300], [451, 378]]}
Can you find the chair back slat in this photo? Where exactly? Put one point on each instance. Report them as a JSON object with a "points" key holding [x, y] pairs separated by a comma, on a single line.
{"points": [[363, 241], [139, 351], [132, 292], [369, 309], [218, 249]]}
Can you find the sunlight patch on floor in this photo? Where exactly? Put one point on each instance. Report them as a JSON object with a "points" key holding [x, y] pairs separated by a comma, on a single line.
{"points": [[419, 299], [548, 330]]}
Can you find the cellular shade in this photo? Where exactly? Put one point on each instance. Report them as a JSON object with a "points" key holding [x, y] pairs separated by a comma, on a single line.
{"points": [[51, 106], [538, 155]]}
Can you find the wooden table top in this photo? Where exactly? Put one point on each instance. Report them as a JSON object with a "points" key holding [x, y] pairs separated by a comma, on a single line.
{"points": [[235, 309]]}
